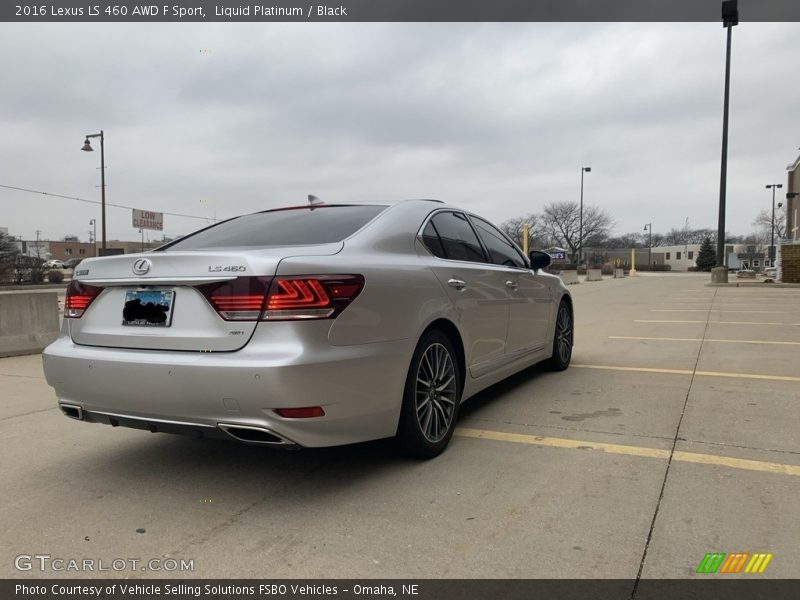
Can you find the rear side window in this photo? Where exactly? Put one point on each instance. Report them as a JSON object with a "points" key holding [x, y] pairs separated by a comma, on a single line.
{"points": [[292, 227], [456, 237], [501, 251]]}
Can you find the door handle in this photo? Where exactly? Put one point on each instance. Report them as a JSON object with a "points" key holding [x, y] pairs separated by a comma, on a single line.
{"points": [[512, 284], [457, 283]]}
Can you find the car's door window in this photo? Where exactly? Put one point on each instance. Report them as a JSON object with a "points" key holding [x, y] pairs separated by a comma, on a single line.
{"points": [[501, 251], [430, 237], [456, 236]]}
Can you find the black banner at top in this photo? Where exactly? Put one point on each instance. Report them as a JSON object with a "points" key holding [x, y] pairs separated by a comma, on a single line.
{"points": [[90, 11]]}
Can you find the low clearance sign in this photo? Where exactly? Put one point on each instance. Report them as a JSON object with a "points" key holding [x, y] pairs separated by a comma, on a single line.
{"points": [[145, 219]]}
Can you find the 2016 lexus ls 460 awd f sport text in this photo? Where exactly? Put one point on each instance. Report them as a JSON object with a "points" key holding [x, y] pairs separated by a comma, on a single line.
{"points": [[310, 326]]}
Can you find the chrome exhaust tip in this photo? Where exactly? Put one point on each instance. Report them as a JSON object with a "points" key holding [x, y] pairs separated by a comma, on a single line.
{"points": [[72, 411], [252, 434]]}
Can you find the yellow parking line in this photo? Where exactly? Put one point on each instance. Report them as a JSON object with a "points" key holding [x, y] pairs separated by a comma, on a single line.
{"points": [[711, 309], [736, 463], [691, 457], [502, 436], [712, 322], [689, 372], [671, 339], [635, 369]]}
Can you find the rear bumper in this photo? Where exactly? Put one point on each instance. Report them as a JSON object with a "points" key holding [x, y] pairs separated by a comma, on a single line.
{"points": [[360, 388]]}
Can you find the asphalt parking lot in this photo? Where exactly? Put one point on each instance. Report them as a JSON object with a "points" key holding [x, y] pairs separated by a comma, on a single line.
{"points": [[675, 433]]}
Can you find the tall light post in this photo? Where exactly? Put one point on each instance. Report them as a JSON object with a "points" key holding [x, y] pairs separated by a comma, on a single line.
{"points": [[580, 233], [649, 227], [772, 246], [730, 18], [87, 147]]}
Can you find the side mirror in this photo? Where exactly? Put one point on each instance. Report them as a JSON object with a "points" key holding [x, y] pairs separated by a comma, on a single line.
{"points": [[539, 260]]}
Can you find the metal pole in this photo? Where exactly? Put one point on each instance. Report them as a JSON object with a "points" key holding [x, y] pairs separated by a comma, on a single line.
{"points": [[772, 247], [103, 184], [650, 249], [580, 234], [724, 167]]}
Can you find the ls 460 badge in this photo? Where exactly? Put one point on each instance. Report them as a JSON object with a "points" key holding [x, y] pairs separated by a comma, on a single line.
{"points": [[229, 268]]}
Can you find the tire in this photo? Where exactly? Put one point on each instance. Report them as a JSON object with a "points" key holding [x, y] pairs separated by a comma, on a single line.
{"points": [[429, 412], [563, 337]]}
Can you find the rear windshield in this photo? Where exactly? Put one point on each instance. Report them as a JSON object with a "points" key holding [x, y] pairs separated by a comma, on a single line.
{"points": [[291, 227]]}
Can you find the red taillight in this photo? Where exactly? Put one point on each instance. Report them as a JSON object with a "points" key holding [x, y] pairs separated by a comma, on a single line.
{"points": [[282, 298], [297, 293], [301, 413], [311, 297], [240, 299], [79, 297]]}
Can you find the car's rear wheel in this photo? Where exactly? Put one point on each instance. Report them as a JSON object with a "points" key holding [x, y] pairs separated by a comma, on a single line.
{"points": [[430, 398], [562, 340]]}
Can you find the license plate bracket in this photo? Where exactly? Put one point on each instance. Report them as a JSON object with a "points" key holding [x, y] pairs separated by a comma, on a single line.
{"points": [[148, 308]]}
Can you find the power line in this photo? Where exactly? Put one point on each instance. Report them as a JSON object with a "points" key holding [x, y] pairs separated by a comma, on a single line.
{"points": [[21, 189]]}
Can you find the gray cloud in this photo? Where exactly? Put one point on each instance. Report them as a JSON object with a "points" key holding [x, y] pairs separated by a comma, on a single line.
{"points": [[498, 118]]}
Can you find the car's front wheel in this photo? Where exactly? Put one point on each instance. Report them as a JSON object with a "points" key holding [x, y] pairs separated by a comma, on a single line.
{"points": [[430, 398], [562, 339]]}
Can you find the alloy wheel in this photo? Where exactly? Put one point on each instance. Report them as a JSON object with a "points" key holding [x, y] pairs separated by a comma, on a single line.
{"points": [[435, 392]]}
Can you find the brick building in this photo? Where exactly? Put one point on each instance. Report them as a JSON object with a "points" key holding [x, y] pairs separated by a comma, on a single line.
{"points": [[67, 250]]}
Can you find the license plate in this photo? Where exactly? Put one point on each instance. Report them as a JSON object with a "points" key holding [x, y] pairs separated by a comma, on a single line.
{"points": [[148, 308]]}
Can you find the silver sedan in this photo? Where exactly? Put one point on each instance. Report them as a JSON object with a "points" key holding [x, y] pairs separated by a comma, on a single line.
{"points": [[311, 326]]}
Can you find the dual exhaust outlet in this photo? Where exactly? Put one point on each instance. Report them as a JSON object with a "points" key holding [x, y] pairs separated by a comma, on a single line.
{"points": [[247, 434]]}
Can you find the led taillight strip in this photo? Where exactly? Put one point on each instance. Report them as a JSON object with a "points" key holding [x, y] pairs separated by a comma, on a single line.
{"points": [[283, 298], [78, 298]]}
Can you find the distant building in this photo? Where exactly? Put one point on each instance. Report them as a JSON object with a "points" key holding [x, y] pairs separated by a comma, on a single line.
{"points": [[132, 247], [69, 249], [793, 204]]}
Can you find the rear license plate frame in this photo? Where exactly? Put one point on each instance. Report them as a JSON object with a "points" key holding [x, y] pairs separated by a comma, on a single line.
{"points": [[158, 298]]}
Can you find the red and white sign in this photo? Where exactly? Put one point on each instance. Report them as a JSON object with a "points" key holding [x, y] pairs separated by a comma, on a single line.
{"points": [[146, 219]]}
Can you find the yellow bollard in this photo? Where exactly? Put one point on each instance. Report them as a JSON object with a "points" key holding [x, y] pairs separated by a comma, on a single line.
{"points": [[525, 239], [633, 262]]}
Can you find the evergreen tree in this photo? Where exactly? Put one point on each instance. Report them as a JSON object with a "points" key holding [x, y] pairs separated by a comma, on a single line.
{"points": [[707, 257]]}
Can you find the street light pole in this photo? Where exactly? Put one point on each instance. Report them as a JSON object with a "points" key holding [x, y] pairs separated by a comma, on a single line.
{"points": [[87, 147], [649, 227], [772, 246], [730, 18], [580, 233]]}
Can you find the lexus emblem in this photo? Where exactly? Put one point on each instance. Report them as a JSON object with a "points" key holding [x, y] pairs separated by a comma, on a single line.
{"points": [[141, 266]]}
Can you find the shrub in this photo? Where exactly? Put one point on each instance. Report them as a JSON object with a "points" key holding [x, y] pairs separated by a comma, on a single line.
{"points": [[55, 276]]}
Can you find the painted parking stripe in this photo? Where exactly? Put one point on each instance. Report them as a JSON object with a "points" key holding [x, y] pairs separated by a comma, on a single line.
{"points": [[712, 309], [690, 372], [691, 457], [711, 322], [671, 339]]}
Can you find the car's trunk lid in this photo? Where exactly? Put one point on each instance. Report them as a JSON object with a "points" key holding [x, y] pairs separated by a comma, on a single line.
{"points": [[173, 280]]}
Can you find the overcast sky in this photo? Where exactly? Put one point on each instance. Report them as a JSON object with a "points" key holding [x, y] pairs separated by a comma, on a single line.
{"points": [[224, 119]]}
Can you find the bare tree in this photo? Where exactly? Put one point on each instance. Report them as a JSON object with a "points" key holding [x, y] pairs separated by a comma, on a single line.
{"points": [[625, 240], [763, 223], [8, 255], [537, 236], [561, 220]]}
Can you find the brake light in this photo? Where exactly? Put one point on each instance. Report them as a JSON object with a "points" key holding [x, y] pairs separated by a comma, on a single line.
{"points": [[240, 299], [282, 298], [79, 297], [316, 297]]}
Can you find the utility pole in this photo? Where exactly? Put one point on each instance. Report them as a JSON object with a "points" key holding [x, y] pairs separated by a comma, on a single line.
{"points": [[730, 18]]}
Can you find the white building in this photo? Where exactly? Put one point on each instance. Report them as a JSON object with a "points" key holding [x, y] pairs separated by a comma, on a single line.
{"points": [[680, 258]]}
